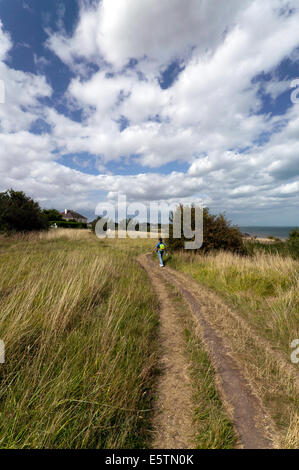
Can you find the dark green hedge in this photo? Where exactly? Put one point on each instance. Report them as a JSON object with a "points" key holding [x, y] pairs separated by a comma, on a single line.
{"points": [[68, 224]]}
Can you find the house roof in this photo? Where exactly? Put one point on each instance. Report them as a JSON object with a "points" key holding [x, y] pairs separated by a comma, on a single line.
{"points": [[73, 214]]}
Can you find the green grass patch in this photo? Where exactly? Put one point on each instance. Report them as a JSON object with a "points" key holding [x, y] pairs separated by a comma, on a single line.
{"points": [[79, 325]]}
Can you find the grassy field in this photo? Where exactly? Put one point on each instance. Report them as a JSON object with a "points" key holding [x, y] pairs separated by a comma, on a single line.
{"points": [[264, 288], [79, 321], [282, 248], [263, 291], [79, 324]]}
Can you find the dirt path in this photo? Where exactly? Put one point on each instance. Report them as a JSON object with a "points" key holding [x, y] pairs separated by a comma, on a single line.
{"points": [[173, 415], [172, 420]]}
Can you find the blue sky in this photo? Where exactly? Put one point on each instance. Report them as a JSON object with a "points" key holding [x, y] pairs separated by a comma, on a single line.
{"points": [[106, 98]]}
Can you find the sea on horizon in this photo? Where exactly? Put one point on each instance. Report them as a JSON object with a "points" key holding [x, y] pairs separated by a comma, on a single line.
{"points": [[264, 232]]}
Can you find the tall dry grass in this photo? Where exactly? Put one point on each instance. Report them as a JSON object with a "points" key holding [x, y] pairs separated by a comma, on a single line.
{"points": [[78, 320], [263, 291], [264, 287]]}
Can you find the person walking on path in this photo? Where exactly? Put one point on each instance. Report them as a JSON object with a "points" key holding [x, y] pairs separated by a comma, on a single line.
{"points": [[160, 248]]}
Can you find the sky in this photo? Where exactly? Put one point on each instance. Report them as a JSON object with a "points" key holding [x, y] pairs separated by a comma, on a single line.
{"points": [[157, 100]]}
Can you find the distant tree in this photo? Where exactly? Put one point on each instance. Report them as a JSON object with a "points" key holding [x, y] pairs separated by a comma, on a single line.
{"points": [[218, 233], [293, 242], [94, 223], [52, 215], [20, 213], [294, 235]]}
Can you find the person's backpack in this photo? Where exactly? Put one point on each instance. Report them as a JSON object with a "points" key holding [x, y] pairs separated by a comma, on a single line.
{"points": [[162, 247]]}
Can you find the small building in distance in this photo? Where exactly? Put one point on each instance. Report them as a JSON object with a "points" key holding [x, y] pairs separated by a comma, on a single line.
{"points": [[72, 215]]}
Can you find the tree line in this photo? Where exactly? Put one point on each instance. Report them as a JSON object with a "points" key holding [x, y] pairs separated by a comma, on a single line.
{"points": [[20, 213]]}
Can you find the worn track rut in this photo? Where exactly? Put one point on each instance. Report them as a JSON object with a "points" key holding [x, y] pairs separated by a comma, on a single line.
{"points": [[173, 413]]}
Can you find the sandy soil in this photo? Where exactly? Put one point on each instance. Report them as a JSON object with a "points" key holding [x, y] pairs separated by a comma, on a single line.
{"points": [[259, 239]]}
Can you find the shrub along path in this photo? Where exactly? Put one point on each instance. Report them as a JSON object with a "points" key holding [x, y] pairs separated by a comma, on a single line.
{"points": [[173, 414]]}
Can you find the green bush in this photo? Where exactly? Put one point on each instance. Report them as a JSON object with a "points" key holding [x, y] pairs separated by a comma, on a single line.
{"points": [[52, 214], [294, 236], [290, 247], [20, 213], [218, 234], [293, 243]]}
